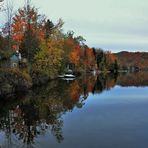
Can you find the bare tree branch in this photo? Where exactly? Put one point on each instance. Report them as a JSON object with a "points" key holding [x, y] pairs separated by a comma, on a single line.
{"points": [[9, 12]]}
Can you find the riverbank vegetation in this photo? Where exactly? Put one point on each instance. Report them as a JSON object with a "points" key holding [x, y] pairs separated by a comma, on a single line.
{"points": [[46, 49]]}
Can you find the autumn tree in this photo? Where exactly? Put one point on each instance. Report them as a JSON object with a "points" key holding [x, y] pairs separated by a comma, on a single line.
{"points": [[74, 51], [30, 45], [111, 62], [89, 60], [74, 55], [69, 45], [116, 65], [100, 59], [48, 28], [48, 60], [27, 30]]}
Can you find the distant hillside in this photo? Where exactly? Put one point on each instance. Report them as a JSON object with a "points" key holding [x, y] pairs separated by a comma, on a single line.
{"points": [[133, 59]]}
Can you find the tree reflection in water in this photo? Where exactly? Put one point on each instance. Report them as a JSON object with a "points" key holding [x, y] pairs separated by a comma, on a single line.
{"points": [[40, 111]]}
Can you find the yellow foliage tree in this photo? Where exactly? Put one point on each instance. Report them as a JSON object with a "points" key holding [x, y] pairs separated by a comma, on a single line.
{"points": [[49, 58]]}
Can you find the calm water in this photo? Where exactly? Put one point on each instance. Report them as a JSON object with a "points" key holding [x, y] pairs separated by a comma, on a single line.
{"points": [[97, 112]]}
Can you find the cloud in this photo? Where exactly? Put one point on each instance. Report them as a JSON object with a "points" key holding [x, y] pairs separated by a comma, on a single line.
{"points": [[112, 24]]}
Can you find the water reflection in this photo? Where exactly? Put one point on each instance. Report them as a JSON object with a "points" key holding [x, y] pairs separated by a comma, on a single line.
{"points": [[25, 118], [133, 79]]}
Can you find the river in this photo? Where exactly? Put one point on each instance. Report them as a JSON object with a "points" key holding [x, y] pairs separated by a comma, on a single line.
{"points": [[105, 111]]}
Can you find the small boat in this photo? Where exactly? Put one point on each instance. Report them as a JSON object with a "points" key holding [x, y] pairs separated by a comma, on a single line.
{"points": [[69, 75], [66, 75], [68, 79]]}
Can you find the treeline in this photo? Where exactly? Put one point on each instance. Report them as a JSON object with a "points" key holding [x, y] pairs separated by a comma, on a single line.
{"points": [[131, 60], [47, 49]]}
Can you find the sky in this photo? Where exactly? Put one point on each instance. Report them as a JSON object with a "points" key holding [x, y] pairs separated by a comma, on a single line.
{"points": [[109, 24]]}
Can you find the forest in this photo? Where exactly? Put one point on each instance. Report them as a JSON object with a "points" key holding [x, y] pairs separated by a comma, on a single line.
{"points": [[45, 47]]}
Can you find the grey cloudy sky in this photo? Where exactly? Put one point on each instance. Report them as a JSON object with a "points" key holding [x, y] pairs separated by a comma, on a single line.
{"points": [[110, 24]]}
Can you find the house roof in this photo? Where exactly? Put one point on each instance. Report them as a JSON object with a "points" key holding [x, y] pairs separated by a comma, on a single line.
{"points": [[14, 57]]}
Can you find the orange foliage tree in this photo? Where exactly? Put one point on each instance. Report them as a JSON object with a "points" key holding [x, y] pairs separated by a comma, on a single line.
{"points": [[24, 20], [110, 60], [74, 55], [89, 60]]}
